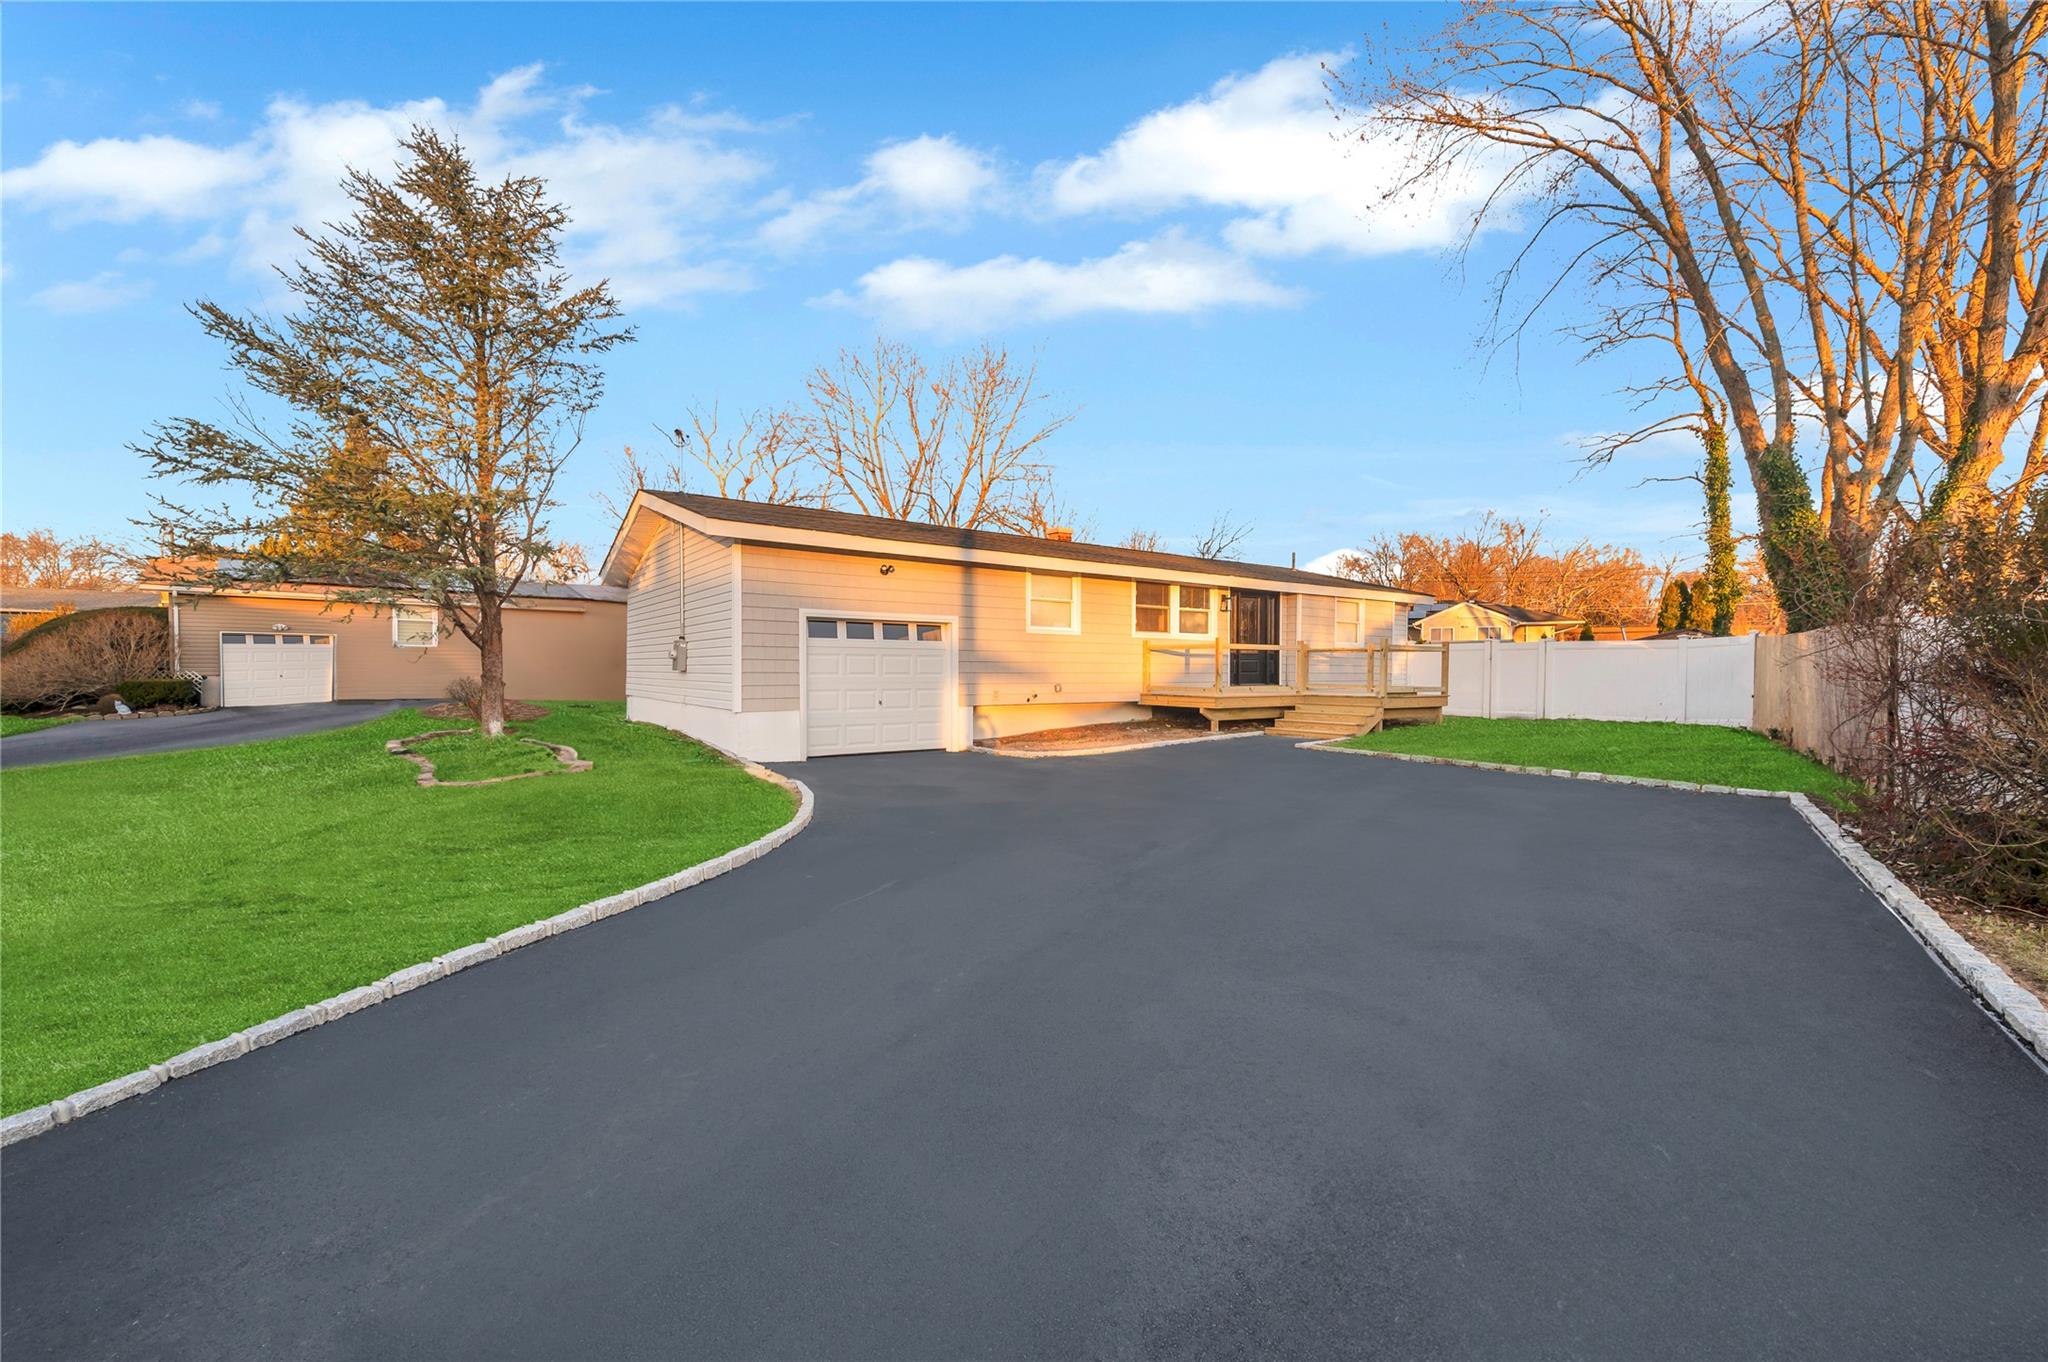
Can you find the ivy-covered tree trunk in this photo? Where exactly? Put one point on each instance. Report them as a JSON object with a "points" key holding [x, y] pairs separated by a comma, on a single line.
{"points": [[1722, 583], [1804, 563]]}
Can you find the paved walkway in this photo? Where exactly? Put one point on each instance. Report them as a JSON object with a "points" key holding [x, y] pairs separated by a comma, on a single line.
{"points": [[90, 739], [1217, 1050]]}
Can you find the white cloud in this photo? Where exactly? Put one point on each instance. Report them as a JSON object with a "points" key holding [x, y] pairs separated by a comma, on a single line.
{"points": [[1266, 145], [934, 175], [925, 181], [104, 291], [643, 199], [1168, 274], [123, 179], [205, 110]]}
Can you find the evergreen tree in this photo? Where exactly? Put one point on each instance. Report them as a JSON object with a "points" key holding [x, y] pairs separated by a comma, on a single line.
{"points": [[1699, 608], [1671, 606], [429, 388]]}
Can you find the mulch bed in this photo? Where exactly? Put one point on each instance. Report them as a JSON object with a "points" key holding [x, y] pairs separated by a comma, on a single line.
{"points": [[516, 712], [1085, 736]]}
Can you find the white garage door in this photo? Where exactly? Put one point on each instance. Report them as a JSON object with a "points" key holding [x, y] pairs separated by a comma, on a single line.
{"points": [[276, 669], [874, 686]]}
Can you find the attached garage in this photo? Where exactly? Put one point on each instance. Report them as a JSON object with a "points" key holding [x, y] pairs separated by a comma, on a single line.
{"points": [[276, 669], [874, 685]]}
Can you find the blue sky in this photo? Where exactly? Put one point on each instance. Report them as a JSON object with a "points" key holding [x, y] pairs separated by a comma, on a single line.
{"points": [[1146, 198]]}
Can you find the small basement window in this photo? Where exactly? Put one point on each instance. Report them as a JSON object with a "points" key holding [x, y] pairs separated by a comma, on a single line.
{"points": [[415, 628], [1052, 605]]}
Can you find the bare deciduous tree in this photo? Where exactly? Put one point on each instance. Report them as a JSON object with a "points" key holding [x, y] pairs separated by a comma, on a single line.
{"points": [[1223, 535], [439, 339], [958, 445], [882, 432], [1146, 541], [1847, 197], [43, 560]]}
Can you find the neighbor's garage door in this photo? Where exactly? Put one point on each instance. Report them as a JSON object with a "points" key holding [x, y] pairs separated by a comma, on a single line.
{"points": [[874, 686], [276, 669]]}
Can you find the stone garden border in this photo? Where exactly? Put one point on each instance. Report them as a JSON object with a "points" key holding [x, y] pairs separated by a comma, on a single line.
{"points": [[565, 757], [2019, 1011], [37, 1120]]}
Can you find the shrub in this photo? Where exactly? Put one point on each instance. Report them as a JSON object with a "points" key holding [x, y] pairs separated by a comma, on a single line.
{"points": [[83, 656], [158, 690], [62, 619], [467, 692], [1944, 664]]}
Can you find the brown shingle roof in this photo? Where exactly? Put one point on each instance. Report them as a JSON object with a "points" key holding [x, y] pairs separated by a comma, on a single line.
{"points": [[42, 598], [994, 541]]}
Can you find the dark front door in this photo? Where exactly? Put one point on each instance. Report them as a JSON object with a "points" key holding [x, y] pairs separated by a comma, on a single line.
{"points": [[1255, 618]]}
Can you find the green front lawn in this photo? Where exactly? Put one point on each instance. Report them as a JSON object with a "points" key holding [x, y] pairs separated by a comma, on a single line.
{"points": [[1689, 752], [150, 904], [11, 724]]}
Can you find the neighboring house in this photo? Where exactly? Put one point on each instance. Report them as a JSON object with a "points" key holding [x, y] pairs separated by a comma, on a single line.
{"points": [[1469, 620], [784, 632], [1623, 633], [19, 602], [297, 644]]}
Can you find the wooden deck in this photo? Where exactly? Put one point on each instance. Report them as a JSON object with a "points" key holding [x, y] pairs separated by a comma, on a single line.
{"points": [[1314, 710]]}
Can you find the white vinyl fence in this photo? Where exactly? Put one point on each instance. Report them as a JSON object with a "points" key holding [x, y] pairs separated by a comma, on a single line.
{"points": [[1680, 680]]}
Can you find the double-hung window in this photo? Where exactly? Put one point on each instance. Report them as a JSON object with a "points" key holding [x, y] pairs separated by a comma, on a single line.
{"points": [[1350, 623], [1052, 604], [412, 627], [1167, 609]]}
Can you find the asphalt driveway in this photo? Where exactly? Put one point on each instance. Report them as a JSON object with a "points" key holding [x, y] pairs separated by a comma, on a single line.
{"points": [[90, 739], [1222, 1050]]}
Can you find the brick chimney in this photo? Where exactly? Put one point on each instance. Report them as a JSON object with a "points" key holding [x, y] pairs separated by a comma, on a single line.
{"points": [[1060, 534]]}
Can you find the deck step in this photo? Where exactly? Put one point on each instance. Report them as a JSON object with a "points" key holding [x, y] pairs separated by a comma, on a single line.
{"points": [[1316, 728]]}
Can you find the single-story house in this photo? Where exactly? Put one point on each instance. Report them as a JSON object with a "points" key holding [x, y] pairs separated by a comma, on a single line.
{"points": [[1468, 620], [297, 644], [17, 603], [784, 632]]}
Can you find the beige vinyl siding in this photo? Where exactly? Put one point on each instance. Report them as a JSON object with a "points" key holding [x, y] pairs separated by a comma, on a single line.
{"points": [[1000, 662], [1314, 621], [654, 619], [681, 588], [707, 618], [559, 652]]}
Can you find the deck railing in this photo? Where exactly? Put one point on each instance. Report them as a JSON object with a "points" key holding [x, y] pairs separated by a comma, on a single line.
{"points": [[1372, 669]]}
